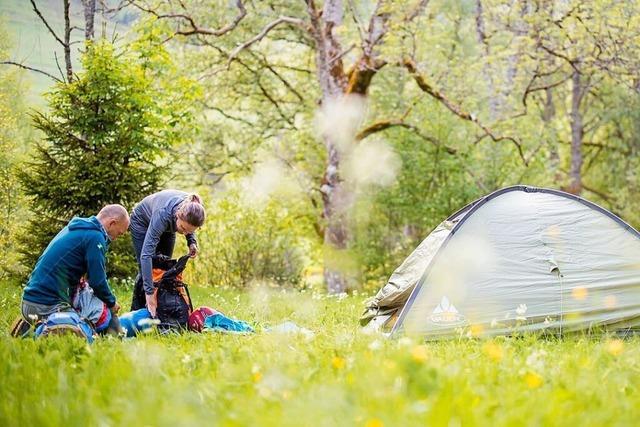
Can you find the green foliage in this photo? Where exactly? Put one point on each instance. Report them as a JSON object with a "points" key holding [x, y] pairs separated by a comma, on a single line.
{"points": [[14, 134], [104, 135], [340, 377], [242, 245]]}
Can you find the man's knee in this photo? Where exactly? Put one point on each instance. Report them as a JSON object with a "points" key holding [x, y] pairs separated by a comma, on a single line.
{"points": [[33, 312]]}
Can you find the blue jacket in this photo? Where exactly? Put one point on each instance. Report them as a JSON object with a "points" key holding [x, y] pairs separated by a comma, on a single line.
{"points": [[79, 248]]}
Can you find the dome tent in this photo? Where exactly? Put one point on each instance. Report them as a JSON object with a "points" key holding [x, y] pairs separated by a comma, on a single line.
{"points": [[519, 259]]}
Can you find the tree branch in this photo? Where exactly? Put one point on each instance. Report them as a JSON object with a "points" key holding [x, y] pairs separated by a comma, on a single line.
{"points": [[270, 26], [227, 115], [46, 24], [386, 124], [17, 64], [194, 28], [417, 11], [410, 65], [599, 193], [279, 76], [359, 77]]}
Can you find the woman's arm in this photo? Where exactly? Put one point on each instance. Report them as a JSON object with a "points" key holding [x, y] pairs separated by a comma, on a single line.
{"points": [[157, 226]]}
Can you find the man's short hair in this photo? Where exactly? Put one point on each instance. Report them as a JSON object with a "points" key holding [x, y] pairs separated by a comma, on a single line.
{"points": [[117, 212]]}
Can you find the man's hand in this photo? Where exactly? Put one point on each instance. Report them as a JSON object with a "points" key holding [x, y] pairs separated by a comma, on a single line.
{"points": [[193, 250], [116, 308], [152, 304]]}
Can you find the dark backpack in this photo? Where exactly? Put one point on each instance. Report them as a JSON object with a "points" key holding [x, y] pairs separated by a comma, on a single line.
{"points": [[174, 301]]}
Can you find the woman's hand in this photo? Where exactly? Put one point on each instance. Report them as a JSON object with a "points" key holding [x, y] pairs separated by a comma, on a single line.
{"points": [[193, 250], [152, 304]]}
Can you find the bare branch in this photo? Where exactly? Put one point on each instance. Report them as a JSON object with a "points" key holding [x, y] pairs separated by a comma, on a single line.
{"points": [[55, 55], [356, 19], [270, 26], [531, 89], [411, 66], [360, 75], [571, 62], [342, 54], [599, 193], [17, 64], [275, 103], [227, 115], [194, 27], [386, 124], [46, 24], [106, 9], [279, 77], [419, 9]]}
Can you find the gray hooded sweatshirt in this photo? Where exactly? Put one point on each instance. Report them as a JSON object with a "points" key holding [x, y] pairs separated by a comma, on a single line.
{"points": [[157, 214]]}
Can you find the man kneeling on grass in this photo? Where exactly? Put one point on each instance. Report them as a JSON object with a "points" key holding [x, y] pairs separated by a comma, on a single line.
{"points": [[79, 249]]}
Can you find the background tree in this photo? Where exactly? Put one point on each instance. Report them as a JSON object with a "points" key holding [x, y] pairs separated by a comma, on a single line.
{"points": [[14, 136], [273, 66], [104, 135], [386, 116]]}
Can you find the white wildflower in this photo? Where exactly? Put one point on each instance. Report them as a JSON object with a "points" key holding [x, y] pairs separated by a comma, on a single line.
{"points": [[405, 342], [536, 360], [375, 345]]}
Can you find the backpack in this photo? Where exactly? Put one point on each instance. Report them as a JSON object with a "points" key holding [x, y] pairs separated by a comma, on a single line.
{"points": [[136, 322], [174, 301], [63, 323]]}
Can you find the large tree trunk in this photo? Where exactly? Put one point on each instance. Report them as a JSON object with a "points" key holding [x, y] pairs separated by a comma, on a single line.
{"points": [[336, 235], [335, 86], [333, 83], [575, 175]]}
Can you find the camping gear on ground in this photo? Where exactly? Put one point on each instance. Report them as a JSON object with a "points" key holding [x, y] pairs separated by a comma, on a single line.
{"points": [[65, 323], [174, 301], [20, 328], [519, 259], [218, 322], [196, 318], [91, 307], [172, 294], [137, 321], [289, 327]]}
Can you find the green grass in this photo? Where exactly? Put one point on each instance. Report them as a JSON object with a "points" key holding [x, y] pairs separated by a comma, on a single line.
{"points": [[340, 377]]}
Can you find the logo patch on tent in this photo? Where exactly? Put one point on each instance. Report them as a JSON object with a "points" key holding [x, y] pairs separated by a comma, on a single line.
{"points": [[446, 314]]}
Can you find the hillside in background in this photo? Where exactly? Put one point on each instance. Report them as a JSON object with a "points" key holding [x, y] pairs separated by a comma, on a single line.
{"points": [[34, 46]]}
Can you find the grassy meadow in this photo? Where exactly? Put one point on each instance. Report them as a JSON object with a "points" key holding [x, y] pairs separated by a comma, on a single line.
{"points": [[337, 377]]}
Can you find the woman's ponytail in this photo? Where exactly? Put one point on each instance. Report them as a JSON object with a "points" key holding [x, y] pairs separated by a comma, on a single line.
{"points": [[192, 211]]}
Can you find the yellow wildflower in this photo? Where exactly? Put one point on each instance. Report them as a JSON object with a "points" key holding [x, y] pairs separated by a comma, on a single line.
{"points": [[533, 380], [476, 330], [493, 351], [615, 347], [374, 422], [419, 353], [338, 362]]}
